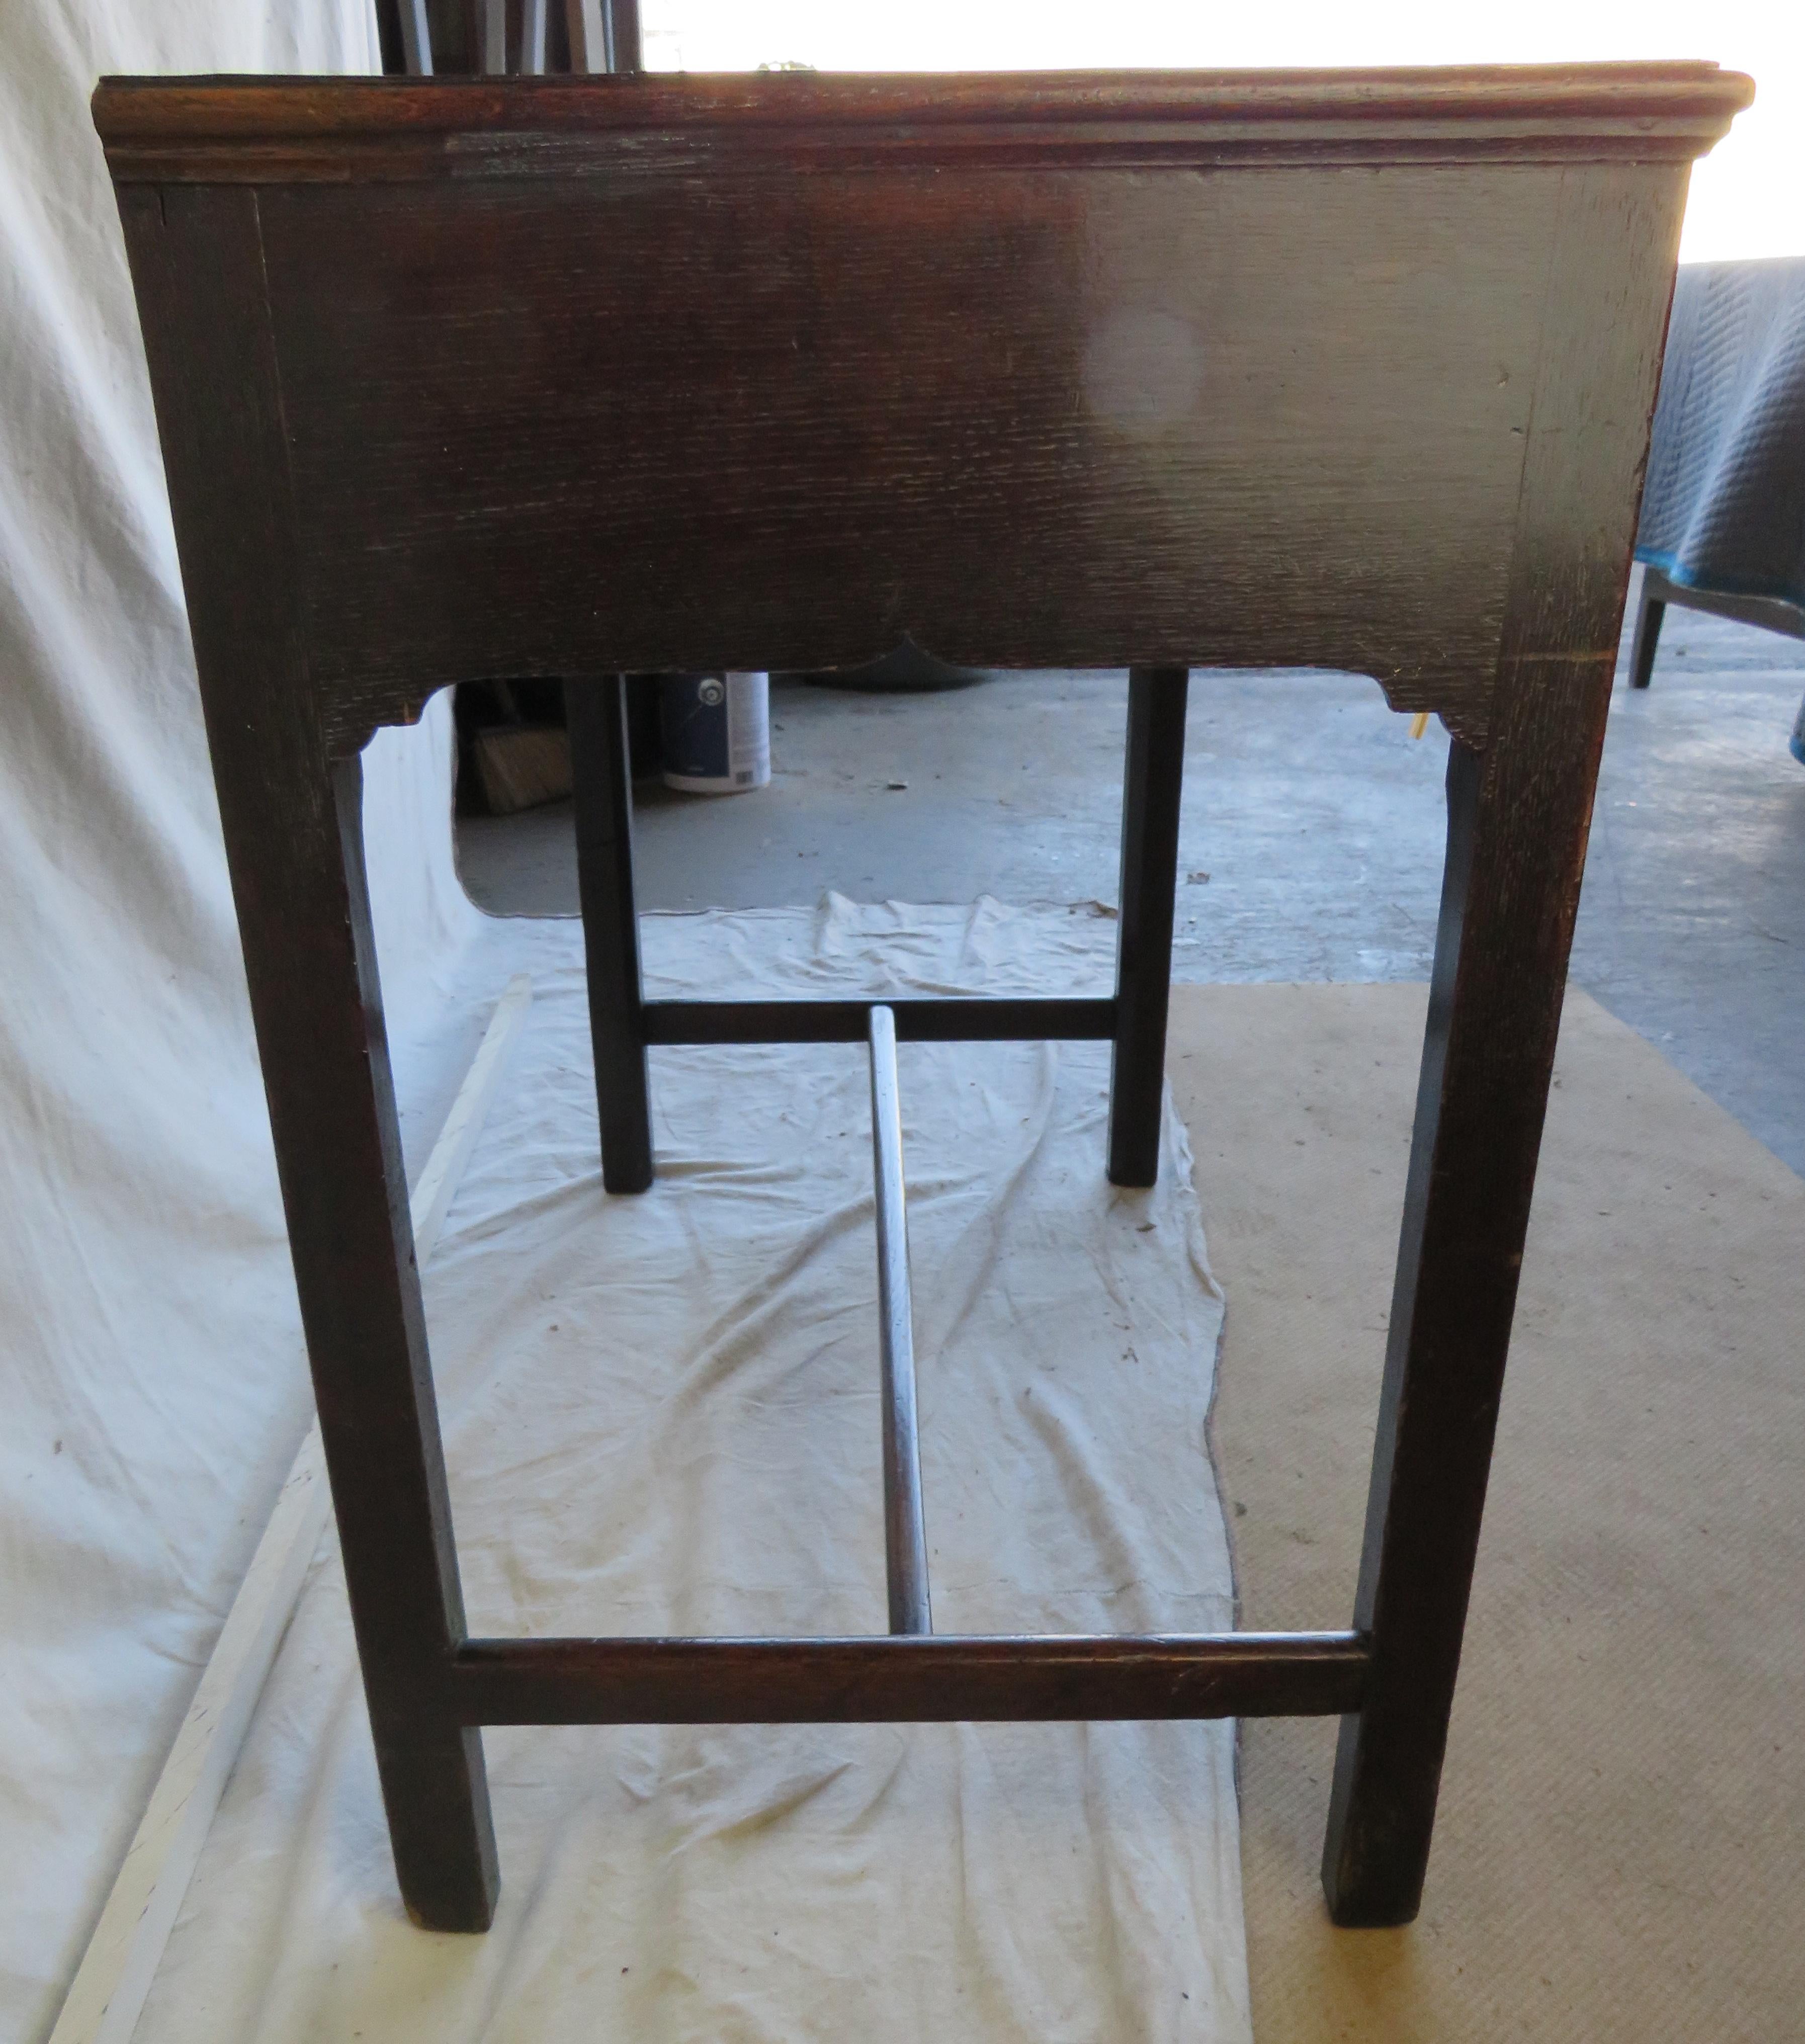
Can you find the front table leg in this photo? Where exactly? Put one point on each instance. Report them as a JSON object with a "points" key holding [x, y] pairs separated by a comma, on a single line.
{"points": [[293, 826], [1517, 822], [294, 836]]}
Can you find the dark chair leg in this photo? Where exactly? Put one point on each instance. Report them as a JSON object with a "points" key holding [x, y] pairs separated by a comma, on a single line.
{"points": [[1650, 611], [1153, 780], [602, 783], [1518, 817]]}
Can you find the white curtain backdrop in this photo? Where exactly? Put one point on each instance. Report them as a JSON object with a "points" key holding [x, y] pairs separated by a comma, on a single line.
{"points": [[151, 1374]]}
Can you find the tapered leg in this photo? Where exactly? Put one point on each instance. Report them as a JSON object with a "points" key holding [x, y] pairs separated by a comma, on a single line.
{"points": [[1153, 780], [1649, 612], [1517, 818], [602, 779], [297, 859], [293, 824]]}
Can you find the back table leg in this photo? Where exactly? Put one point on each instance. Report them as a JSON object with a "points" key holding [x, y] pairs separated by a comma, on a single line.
{"points": [[1517, 822], [1152, 782], [602, 782]]}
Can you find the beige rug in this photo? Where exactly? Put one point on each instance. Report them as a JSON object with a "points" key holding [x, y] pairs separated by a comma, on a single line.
{"points": [[1623, 1820]]}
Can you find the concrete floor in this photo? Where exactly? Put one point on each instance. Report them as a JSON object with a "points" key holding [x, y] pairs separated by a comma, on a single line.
{"points": [[1311, 840]]}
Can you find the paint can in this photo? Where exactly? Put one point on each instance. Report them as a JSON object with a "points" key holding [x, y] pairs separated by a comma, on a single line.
{"points": [[717, 732]]}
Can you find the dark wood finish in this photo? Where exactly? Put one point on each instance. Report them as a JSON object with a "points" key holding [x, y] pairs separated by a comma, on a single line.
{"points": [[1769, 612], [1105, 535], [1152, 784], [979, 389], [293, 823], [1518, 817], [257, 130], [929, 1019], [1222, 390], [602, 786], [938, 1679], [905, 1539]]}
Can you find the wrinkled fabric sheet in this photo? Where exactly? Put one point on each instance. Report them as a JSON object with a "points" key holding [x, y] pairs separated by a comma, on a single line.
{"points": [[1723, 509], [152, 1372], [661, 1414]]}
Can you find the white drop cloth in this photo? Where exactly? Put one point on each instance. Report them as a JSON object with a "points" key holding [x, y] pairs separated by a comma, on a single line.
{"points": [[661, 1414]]}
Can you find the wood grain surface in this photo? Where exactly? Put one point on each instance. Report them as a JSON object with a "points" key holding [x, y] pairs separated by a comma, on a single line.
{"points": [[261, 130], [581, 378], [918, 1678], [685, 412]]}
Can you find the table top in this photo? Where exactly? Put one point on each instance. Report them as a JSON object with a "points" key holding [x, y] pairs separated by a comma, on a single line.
{"points": [[234, 128]]}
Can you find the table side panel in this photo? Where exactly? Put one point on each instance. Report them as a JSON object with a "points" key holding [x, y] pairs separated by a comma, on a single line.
{"points": [[1065, 418]]}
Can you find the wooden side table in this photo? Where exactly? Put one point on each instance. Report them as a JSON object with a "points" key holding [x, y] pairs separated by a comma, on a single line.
{"points": [[574, 377]]}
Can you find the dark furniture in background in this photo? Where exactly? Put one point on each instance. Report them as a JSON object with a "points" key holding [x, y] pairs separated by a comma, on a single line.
{"points": [[1722, 526], [513, 749], [579, 377], [429, 38], [1657, 592]]}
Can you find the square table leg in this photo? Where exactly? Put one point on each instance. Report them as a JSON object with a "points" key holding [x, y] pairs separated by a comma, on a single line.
{"points": [[1518, 816], [1152, 782], [602, 784], [291, 808], [310, 955]]}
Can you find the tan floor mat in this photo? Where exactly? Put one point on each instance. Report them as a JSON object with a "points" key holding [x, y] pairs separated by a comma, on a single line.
{"points": [[1623, 1805]]}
